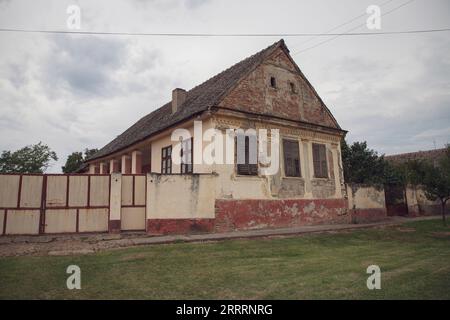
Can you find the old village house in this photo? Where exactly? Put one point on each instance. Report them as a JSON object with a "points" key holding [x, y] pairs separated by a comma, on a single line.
{"points": [[266, 90]]}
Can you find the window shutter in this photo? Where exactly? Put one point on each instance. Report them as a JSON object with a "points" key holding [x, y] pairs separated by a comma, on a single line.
{"points": [[316, 161], [323, 159], [320, 161], [291, 158], [187, 155], [166, 160], [246, 168]]}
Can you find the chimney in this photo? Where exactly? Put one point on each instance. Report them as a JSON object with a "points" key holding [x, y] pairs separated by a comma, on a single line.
{"points": [[178, 98]]}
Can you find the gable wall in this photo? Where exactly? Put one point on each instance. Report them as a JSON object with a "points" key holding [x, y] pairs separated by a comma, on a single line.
{"points": [[254, 93]]}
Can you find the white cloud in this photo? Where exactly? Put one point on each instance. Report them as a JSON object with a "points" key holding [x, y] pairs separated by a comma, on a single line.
{"points": [[73, 92]]}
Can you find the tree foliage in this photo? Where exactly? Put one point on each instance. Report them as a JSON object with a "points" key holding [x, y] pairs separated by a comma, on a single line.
{"points": [[436, 181], [89, 152], [29, 159], [75, 160], [361, 164], [432, 176], [364, 165]]}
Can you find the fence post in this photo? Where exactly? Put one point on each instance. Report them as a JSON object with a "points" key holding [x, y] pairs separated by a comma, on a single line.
{"points": [[115, 203], [41, 229], [148, 189]]}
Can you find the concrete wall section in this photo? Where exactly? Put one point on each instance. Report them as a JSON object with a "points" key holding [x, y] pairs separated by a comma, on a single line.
{"points": [[31, 191], [61, 221], [9, 190], [419, 205], [78, 191], [139, 190], [2, 221], [127, 190], [99, 191], [22, 222], [366, 203], [56, 195], [93, 220], [180, 196], [133, 218]]}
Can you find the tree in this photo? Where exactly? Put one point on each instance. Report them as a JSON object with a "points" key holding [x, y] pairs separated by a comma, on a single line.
{"points": [[75, 160], [436, 181], [30, 159], [361, 164], [89, 152]]}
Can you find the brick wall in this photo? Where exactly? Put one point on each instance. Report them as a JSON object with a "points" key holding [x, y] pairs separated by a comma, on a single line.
{"points": [[255, 94]]}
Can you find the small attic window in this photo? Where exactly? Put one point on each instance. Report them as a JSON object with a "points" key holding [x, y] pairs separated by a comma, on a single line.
{"points": [[273, 82], [292, 87]]}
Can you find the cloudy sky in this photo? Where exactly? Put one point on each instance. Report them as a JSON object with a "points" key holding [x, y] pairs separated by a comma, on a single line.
{"points": [[80, 91]]}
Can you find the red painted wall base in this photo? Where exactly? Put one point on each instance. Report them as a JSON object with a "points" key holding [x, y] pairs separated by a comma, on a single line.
{"points": [[233, 215], [257, 214], [179, 226], [114, 226], [368, 215]]}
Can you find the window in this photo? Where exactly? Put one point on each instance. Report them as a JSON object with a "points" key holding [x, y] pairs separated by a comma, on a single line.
{"points": [[166, 160], [291, 158], [250, 166], [186, 156], [273, 82], [320, 161], [292, 87]]}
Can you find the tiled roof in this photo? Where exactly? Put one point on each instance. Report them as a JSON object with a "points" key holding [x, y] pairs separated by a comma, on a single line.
{"points": [[199, 99], [419, 155]]}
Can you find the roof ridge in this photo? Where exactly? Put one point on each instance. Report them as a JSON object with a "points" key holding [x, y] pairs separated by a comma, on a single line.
{"points": [[227, 70], [237, 63], [416, 152], [199, 99]]}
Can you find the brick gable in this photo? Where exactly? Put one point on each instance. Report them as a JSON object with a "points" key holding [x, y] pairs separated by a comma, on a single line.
{"points": [[255, 94]]}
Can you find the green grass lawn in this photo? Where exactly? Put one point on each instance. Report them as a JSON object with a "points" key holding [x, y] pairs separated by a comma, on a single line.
{"points": [[414, 260]]}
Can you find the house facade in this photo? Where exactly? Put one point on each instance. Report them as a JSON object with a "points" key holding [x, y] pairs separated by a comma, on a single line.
{"points": [[265, 91]]}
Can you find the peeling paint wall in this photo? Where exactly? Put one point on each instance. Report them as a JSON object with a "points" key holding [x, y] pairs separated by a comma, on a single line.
{"points": [[418, 203], [180, 196], [234, 215], [366, 203], [230, 185]]}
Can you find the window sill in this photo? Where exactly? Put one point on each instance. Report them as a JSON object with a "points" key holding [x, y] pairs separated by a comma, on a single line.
{"points": [[321, 178], [293, 178], [248, 176]]}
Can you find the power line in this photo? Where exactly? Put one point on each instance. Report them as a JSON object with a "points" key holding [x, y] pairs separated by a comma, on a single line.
{"points": [[349, 31], [226, 34], [342, 24]]}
